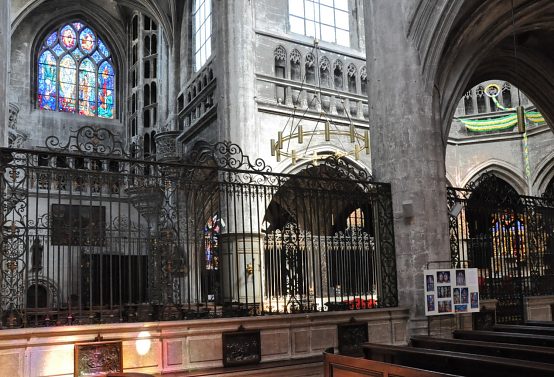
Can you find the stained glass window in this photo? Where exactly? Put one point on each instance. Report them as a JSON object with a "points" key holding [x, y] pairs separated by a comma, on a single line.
{"points": [[76, 72]]}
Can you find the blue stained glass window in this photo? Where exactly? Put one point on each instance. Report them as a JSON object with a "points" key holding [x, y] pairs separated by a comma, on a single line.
{"points": [[103, 49], [75, 72], [68, 37], [105, 90], [47, 76], [97, 57], [77, 54], [58, 50], [87, 40], [52, 38]]}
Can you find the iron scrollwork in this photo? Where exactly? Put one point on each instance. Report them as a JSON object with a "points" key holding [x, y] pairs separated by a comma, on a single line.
{"points": [[89, 140]]}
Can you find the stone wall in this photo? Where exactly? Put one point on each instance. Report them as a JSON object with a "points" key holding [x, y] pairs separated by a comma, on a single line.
{"points": [[539, 308], [188, 345]]}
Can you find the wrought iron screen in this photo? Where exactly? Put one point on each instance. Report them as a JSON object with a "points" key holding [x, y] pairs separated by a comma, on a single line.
{"points": [[91, 234], [510, 240]]}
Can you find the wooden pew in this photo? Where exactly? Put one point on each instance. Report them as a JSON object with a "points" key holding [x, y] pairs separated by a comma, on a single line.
{"points": [[539, 330], [458, 363], [501, 337], [511, 351], [347, 366], [539, 323]]}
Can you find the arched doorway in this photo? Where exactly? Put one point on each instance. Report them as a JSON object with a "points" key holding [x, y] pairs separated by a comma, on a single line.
{"points": [[37, 296], [319, 251], [505, 236]]}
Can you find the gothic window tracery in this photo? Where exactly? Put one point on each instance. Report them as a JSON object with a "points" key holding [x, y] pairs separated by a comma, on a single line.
{"points": [[363, 80], [352, 71], [310, 68], [143, 96], [295, 58], [324, 66], [481, 101], [507, 94], [468, 102], [337, 73], [76, 73], [280, 71]]}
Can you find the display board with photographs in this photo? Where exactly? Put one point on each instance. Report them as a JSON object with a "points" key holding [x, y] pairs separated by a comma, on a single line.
{"points": [[449, 291]]}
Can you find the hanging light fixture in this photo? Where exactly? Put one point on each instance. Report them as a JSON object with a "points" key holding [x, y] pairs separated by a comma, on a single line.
{"points": [[295, 140]]}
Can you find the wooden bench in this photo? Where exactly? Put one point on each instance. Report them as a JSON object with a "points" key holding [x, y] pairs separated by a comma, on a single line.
{"points": [[539, 330], [502, 337], [511, 351], [347, 366], [457, 363], [539, 323]]}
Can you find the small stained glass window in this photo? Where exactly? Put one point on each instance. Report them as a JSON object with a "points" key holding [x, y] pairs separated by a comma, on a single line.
{"points": [[76, 73]]}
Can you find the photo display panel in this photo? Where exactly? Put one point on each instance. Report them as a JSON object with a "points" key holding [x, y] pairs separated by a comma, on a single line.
{"points": [[449, 291]]}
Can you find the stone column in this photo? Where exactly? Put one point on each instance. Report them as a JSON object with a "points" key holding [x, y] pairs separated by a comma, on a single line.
{"points": [[236, 57], [236, 75], [407, 149], [5, 36], [172, 123]]}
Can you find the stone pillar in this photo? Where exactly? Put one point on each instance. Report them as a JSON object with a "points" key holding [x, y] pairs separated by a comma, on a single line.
{"points": [[236, 75], [236, 57], [242, 244], [5, 36], [407, 149], [172, 123]]}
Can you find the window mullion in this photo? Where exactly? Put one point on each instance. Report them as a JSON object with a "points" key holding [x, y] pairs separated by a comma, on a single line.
{"points": [[77, 84]]}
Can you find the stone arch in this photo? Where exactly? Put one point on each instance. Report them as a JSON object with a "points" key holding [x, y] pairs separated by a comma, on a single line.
{"points": [[51, 288], [290, 168], [478, 43], [295, 61], [325, 73], [501, 169], [543, 174]]}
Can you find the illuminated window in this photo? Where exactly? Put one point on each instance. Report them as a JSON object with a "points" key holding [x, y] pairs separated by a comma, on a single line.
{"points": [[202, 32], [76, 72], [326, 20]]}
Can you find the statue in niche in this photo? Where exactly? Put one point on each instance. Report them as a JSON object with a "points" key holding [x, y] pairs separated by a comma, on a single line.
{"points": [[36, 258]]}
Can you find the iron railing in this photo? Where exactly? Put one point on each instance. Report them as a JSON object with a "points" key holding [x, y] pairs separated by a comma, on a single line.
{"points": [[510, 240], [91, 235]]}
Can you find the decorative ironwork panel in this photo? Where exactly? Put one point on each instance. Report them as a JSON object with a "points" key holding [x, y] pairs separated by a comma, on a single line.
{"points": [[351, 336], [508, 238], [241, 348], [93, 233]]}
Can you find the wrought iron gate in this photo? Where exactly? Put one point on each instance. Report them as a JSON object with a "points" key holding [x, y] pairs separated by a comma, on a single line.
{"points": [[510, 240], [93, 233]]}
